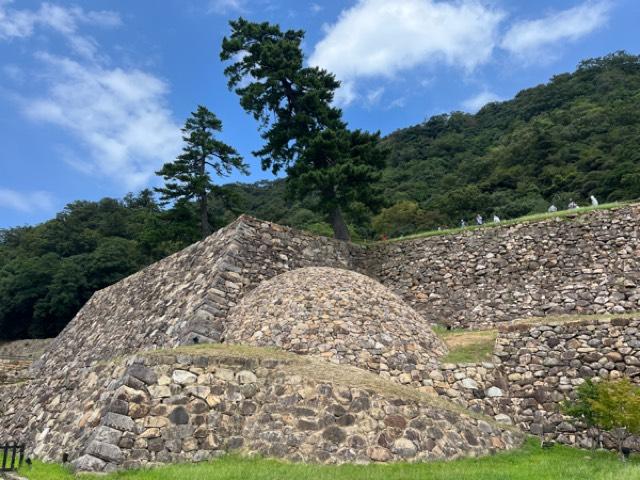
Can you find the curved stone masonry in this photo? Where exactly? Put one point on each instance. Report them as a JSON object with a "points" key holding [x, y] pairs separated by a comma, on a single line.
{"points": [[339, 315], [186, 296], [197, 403], [586, 264], [589, 263]]}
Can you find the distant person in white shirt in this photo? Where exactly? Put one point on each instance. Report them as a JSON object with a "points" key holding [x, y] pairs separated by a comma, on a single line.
{"points": [[479, 219], [572, 205], [463, 223], [552, 208], [594, 201], [496, 219]]}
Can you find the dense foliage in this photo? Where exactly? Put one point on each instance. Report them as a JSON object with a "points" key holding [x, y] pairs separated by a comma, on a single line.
{"points": [[47, 272], [612, 405], [575, 136]]}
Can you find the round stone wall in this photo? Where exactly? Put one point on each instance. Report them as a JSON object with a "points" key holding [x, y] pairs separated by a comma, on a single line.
{"points": [[340, 315]]}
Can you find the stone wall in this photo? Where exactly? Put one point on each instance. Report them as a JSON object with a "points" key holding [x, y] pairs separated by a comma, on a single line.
{"points": [[16, 358], [186, 296], [586, 264], [543, 365], [31, 348], [538, 366], [197, 403]]}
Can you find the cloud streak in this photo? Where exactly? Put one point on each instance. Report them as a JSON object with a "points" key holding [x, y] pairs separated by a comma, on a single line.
{"points": [[119, 115], [26, 202], [16, 24], [222, 7], [531, 36], [475, 103], [384, 39]]}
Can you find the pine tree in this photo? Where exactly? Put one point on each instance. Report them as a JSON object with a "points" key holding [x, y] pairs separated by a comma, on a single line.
{"points": [[188, 176], [304, 133]]}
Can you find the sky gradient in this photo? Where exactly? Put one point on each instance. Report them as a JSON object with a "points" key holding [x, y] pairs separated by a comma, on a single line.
{"points": [[93, 93]]}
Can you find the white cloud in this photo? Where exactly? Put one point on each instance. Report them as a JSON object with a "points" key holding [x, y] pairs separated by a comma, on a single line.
{"points": [[119, 115], [382, 38], [397, 103], [65, 21], [475, 103], [530, 36], [316, 8], [222, 7], [346, 94], [26, 201]]}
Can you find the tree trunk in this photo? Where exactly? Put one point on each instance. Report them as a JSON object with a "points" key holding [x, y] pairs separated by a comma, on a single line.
{"points": [[205, 228], [340, 230], [621, 440]]}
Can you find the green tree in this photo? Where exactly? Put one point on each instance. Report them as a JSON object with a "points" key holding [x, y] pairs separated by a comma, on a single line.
{"points": [[581, 408], [304, 133], [612, 405], [403, 218], [188, 176], [23, 282], [66, 293], [616, 408]]}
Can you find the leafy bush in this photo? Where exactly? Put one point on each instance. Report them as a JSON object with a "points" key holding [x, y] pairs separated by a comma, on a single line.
{"points": [[612, 405]]}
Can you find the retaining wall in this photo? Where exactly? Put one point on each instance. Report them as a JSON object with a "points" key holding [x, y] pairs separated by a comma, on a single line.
{"points": [[170, 407], [588, 263], [185, 297], [538, 367]]}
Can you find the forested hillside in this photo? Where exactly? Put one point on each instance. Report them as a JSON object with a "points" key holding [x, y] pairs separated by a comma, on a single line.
{"points": [[47, 272], [575, 136]]}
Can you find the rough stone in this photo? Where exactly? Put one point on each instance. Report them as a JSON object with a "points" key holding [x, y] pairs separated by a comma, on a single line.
{"points": [[183, 377]]}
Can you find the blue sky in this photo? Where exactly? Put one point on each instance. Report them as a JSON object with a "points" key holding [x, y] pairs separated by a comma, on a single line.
{"points": [[93, 93]]}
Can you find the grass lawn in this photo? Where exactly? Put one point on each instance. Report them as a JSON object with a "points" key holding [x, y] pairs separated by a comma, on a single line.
{"points": [[536, 217], [528, 463], [467, 346]]}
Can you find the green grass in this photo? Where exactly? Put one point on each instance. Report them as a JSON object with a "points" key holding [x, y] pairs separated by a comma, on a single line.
{"points": [[536, 217], [527, 463], [467, 346]]}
